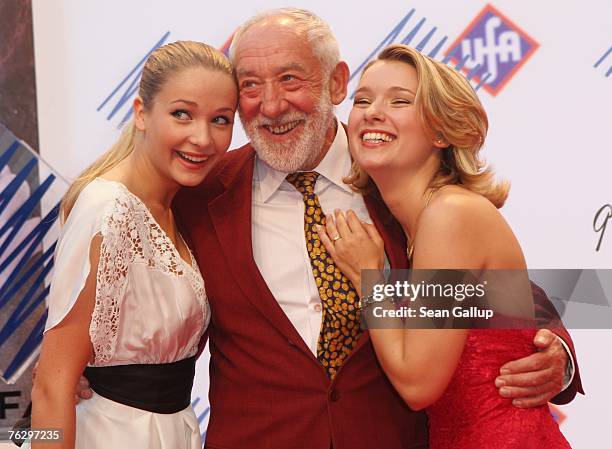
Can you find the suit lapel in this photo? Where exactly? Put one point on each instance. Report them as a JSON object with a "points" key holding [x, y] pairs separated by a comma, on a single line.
{"points": [[231, 217]]}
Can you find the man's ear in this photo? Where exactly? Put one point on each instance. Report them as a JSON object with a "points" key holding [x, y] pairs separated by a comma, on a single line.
{"points": [[139, 112], [338, 83]]}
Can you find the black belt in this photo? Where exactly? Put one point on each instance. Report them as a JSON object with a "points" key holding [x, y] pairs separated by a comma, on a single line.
{"points": [[162, 388]]}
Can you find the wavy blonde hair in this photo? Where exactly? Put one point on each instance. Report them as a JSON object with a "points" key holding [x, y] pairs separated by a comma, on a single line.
{"points": [[448, 109], [161, 64]]}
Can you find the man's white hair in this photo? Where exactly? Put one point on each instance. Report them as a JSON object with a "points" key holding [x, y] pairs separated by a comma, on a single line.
{"points": [[316, 32]]}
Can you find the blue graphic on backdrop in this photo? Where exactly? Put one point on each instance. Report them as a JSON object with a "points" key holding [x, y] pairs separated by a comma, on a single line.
{"points": [[602, 59], [124, 92], [428, 40], [496, 43], [25, 260]]}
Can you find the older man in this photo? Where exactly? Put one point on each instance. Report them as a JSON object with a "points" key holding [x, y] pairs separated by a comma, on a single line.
{"points": [[290, 367]]}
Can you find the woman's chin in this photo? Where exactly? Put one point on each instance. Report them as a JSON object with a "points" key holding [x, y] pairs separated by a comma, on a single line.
{"points": [[190, 179], [373, 163]]}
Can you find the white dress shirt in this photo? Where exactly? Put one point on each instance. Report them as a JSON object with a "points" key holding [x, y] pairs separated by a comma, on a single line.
{"points": [[278, 233]]}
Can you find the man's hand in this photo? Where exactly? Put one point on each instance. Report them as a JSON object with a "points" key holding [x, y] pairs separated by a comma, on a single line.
{"points": [[534, 380], [82, 390]]}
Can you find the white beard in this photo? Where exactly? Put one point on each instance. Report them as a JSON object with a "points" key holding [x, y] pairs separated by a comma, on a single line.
{"points": [[300, 153]]}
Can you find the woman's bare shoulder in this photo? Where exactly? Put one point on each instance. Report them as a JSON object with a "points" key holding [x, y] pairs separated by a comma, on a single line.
{"points": [[468, 228], [460, 209]]}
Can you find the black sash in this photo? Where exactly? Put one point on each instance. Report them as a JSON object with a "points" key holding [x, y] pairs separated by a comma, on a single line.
{"points": [[163, 388]]}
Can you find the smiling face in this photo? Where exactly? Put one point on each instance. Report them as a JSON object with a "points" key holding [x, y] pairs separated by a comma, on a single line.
{"points": [[188, 126], [385, 132], [285, 103]]}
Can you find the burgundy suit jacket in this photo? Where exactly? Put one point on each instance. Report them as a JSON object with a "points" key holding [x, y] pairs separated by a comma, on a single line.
{"points": [[267, 389]]}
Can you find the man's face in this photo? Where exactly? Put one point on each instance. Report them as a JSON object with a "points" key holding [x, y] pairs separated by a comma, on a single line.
{"points": [[285, 104]]}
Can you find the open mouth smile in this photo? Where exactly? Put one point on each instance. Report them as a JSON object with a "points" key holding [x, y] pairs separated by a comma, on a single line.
{"points": [[377, 137], [282, 129], [193, 158]]}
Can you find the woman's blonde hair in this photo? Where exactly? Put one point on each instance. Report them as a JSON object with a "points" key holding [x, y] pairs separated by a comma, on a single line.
{"points": [[449, 110], [161, 64]]}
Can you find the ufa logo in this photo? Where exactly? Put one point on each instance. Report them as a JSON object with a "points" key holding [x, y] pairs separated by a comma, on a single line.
{"points": [[496, 43]]}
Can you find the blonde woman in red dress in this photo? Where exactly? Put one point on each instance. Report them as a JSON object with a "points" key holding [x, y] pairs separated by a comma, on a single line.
{"points": [[415, 131]]}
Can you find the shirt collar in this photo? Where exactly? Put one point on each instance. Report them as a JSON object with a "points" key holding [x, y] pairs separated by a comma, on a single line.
{"points": [[334, 167]]}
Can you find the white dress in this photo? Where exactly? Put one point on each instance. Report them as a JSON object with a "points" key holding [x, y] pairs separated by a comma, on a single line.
{"points": [[150, 308]]}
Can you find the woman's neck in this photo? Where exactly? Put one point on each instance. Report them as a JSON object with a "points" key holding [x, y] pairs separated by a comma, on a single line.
{"points": [[405, 193], [139, 175]]}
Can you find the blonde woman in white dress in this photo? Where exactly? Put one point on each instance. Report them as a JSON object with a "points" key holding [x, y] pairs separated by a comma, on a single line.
{"points": [[127, 302]]}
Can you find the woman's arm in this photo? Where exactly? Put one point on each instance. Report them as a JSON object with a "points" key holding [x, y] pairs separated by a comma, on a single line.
{"points": [[422, 362], [419, 362], [66, 349]]}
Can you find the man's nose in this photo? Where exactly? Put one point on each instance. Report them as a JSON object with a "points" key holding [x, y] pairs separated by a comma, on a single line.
{"points": [[273, 103]]}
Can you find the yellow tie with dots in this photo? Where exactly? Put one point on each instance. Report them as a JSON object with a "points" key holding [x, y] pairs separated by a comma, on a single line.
{"points": [[340, 327]]}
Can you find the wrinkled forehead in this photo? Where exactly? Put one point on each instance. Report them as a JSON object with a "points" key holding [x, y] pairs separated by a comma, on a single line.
{"points": [[267, 29], [271, 40]]}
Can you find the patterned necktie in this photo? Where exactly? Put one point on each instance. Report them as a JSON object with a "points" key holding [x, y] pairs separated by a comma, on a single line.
{"points": [[340, 328]]}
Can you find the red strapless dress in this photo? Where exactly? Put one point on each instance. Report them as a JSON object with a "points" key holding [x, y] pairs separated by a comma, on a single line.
{"points": [[472, 415]]}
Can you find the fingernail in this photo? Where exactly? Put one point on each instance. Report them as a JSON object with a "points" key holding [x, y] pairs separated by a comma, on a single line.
{"points": [[504, 371], [517, 403], [505, 392], [499, 382]]}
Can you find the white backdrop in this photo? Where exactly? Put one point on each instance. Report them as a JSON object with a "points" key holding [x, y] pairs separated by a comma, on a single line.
{"points": [[549, 134]]}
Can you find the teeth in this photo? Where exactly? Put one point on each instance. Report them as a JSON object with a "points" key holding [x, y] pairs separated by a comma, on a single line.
{"points": [[190, 158], [377, 137], [283, 128]]}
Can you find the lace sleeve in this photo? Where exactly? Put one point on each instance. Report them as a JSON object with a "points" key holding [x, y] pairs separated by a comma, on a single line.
{"points": [[116, 254], [98, 211]]}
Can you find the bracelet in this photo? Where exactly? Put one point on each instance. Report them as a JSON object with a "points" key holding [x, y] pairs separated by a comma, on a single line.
{"points": [[368, 300]]}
